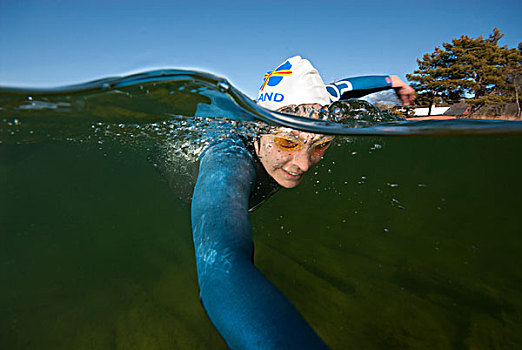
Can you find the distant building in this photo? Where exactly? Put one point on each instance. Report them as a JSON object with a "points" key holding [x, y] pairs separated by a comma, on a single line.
{"points": [[460, 109], [508, 111], [423, 111]]}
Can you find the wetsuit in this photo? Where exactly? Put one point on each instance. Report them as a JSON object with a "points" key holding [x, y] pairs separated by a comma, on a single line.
{"points": [[265, 186], [248, 311]]}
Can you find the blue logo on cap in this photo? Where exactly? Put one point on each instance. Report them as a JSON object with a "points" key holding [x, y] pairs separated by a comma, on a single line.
{"points": [[274, 77]]}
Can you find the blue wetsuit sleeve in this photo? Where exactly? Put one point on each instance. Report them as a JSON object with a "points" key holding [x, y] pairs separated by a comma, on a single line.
{"points": [[248, 311], [358, 86]]}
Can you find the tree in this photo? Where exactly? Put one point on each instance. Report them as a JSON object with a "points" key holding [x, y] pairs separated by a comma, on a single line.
{"points": [[477, 69], [430, 86], [513, 73]]}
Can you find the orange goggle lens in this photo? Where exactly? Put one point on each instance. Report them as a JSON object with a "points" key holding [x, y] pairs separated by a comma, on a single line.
{"points": [[286, 143], [320, 146]]}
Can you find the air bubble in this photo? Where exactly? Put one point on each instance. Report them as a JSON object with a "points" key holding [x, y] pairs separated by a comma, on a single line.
{"points": [[395, 202], [223, 86]]}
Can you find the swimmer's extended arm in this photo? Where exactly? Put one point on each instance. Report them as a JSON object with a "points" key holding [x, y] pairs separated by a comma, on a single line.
{"points": [[361, 86], [247, 310]]}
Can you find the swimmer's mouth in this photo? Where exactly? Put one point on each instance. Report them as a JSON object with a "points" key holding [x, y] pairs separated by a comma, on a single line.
{"points": [[292, 173]]}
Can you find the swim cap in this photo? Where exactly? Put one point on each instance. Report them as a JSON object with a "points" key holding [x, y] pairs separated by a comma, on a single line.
{"points": [[294, 82]]}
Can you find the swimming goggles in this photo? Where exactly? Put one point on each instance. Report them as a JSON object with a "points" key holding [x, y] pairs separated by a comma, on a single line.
{"points": [[292, 143]]}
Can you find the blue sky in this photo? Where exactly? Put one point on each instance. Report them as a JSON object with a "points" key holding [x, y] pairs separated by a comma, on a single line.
{"points": [[58, 42]]}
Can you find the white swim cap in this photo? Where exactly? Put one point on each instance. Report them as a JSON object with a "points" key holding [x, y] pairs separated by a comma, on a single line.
{"points": [[294, 82]]}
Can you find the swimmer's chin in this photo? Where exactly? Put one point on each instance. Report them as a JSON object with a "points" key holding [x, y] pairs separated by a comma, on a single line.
{"points": [[288, 179]]}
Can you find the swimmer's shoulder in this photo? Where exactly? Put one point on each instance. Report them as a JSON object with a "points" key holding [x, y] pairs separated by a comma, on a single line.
{"points": [[229, 147]]}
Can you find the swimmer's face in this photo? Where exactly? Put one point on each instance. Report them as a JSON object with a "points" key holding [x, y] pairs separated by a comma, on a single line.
{"points": [[288, 154]]}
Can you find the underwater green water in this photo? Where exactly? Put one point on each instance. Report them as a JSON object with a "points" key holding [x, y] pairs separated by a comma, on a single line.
{"points": [[394, 243], [410, 241]]}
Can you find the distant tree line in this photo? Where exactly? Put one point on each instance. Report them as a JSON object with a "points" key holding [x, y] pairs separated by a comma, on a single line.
{"points": [[475, 69]]}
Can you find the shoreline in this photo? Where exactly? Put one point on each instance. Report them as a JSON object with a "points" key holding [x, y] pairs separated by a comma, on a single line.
{"points": [[433, 117], [448, 117]]}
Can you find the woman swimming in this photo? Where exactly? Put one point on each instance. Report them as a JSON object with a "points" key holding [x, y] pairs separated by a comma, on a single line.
{"points": [[236, 174]]}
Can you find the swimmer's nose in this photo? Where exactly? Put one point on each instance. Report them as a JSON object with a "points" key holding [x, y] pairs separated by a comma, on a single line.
{"points": [[302, 160]]}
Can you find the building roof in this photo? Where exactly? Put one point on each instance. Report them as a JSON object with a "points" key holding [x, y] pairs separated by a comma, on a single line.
{"points": [[458, 110]]}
